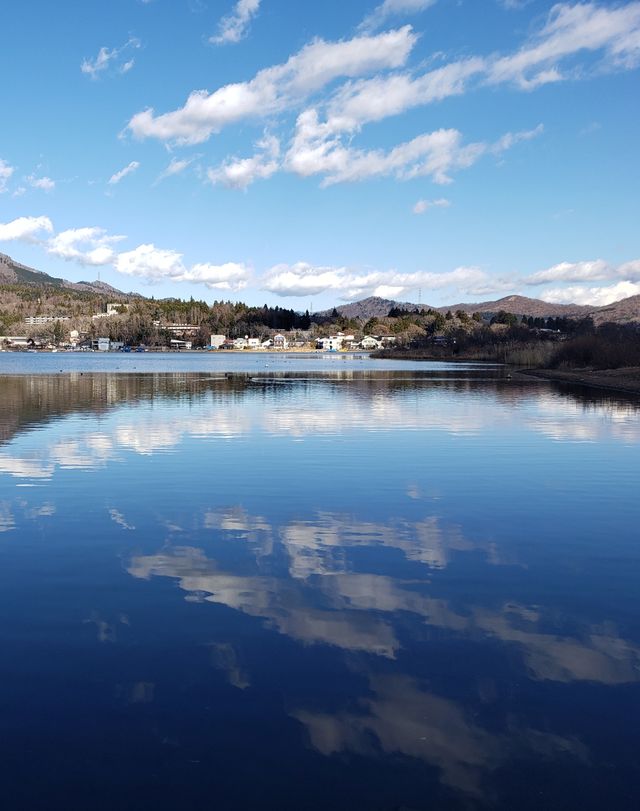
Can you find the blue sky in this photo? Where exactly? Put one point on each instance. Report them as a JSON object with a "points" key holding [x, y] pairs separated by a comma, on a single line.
{"points": [[306, 154]]}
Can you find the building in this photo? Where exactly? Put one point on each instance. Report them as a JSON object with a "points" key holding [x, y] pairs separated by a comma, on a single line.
{"points": [[280, 342], [181, 329], [370, 343], [35, 320], [335, 342], [216, 341], [115, 308]]}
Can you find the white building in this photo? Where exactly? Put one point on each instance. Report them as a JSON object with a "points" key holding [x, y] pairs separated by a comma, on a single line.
{"points": [[216, 341], [114, 308], [369, 342], [34, 320], [280, 342], [334, 342]]}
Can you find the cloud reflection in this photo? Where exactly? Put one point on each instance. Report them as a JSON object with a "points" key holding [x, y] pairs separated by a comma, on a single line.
{"points": [[321, 600], [298, 409], [400, 717]]}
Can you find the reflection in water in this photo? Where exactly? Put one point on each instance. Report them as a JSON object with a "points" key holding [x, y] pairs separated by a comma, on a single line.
{"points": [[399, 717], [240, 407], [419, 589], [356, 611]]}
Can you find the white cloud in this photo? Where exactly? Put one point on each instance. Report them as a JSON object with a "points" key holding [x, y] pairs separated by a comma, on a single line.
{"points": [[44, 183], [6, 170], [316, 150], [569, 30], [275, 88], [151, 263], [571, 272], [510, 139], [238, 173], [118, 176], [107, 58], [235, 26], [156, 264], [377, 98], [303, 279], [25, 229], [589, 271], [175, 167], [390, 8], [87, 246], [424, 205], [597, 296], [229, 276], [630, 270]]}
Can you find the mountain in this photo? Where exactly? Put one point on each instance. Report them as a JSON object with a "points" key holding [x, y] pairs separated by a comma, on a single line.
{"points": [[521, 305], [371, 307], [620, 312], [12, 272]]}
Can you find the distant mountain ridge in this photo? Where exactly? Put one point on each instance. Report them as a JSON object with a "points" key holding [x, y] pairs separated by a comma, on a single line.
{"points": [[625, 311], [521, 305], [12, 272]]}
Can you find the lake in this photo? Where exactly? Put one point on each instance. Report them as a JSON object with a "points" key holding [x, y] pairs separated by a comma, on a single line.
{"points": [[288, 582]]}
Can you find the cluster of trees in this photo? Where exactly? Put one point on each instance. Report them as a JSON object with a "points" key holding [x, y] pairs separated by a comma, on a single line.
{"points": [[141, 320], [610, 346]]}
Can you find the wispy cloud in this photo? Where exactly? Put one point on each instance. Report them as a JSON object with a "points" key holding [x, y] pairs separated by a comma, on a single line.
{"points": [[423, 206], [235, 26], [275, 88], [392, 8], [6, 171], [176, 166], [118, 59], [43, 183], [514, 5], [127, 170], [316, 150]]}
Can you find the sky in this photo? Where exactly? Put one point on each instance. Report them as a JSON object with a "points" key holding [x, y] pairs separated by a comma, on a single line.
{"points": [[307, 154]]}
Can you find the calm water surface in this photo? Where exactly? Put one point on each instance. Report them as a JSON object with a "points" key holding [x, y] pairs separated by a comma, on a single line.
{"points": [[337, 586]]}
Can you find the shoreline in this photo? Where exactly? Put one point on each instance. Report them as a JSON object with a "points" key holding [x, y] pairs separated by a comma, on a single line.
{"points": [[625, 380]]}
